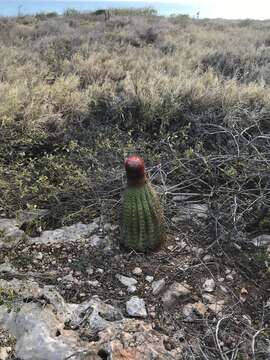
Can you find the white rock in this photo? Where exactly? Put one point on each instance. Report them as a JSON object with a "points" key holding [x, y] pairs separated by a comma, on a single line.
{"points": [[136, 307], [10, 234], [68, 278], [107, 228], [39, 256], [90, 270], [189, 211], [149, 278], [127, 281], [158, 286], [4, 352], [229, 277], [66, 234], [209, 285], [6, 267], [181, 198], [207, 258], [96, 241], [175, 292], [224, 289], [188, 313], [216, 308], [137, 271]]}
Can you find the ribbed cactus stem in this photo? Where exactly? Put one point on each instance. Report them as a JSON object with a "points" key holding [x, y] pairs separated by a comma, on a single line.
{"points": [[142, 218]]}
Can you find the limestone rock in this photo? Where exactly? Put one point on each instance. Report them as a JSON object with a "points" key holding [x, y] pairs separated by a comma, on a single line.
{"points": [[191, 211], [193, 311], [175, 292], [39, 327], [6, 267], [136, 307], [209, 285], [66, 234], [96, 241], [128, 281], [158, 286], [188, 313], [10, 233], [137, 271], [4, 353], [134, 340]]}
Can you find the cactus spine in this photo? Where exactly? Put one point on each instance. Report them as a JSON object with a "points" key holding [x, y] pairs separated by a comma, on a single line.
{"points": [[142, 218]]}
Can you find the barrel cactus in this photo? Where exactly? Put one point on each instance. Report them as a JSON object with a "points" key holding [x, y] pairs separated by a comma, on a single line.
{"points": [[142, 216]]}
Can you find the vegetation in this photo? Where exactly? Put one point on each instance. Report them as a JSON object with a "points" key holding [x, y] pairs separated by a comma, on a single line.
{"points": [[78, 94], [142, 219]]}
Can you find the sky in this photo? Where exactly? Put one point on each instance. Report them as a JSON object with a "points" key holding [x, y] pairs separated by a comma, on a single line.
{"points": [[229, 9], [232, 9]]}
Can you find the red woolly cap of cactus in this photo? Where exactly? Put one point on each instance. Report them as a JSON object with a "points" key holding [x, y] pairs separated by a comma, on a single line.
{"points": [[135, 169]]}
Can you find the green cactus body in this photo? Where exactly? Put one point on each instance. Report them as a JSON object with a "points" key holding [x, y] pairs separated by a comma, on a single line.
{"points": [[142, 219]]}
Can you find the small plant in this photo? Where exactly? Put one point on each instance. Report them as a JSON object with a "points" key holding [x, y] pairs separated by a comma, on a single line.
{"points": [[143, 226]]}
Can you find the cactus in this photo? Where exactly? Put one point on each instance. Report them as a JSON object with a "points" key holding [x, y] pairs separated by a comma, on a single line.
{"points": [[142, 217]]}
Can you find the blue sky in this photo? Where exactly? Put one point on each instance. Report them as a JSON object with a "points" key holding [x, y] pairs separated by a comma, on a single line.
{"points": [[230, 9], [233, 9]]}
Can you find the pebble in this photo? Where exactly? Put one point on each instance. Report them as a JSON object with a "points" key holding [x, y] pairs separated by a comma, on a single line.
{"points": [[68, 277], [188, 313], [200, 308], [223, 289], [207, 258], [137, 271], [149, 278], [4, 352], [107, 228], [90, 270], [158, 286], [94, 283], [198, 251], [136, 307], [127, 281], [209, 285], [229, 277], [174, 293], [39, 256], [217, 308]]}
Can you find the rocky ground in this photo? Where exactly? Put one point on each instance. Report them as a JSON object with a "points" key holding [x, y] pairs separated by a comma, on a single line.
{"points": [[72, 293]]}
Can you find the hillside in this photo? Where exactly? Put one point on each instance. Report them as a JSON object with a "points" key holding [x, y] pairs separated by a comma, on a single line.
{"points": [[77, 95]]}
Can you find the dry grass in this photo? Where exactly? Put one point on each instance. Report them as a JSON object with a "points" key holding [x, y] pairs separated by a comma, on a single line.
{"points": [[78, 94]]}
